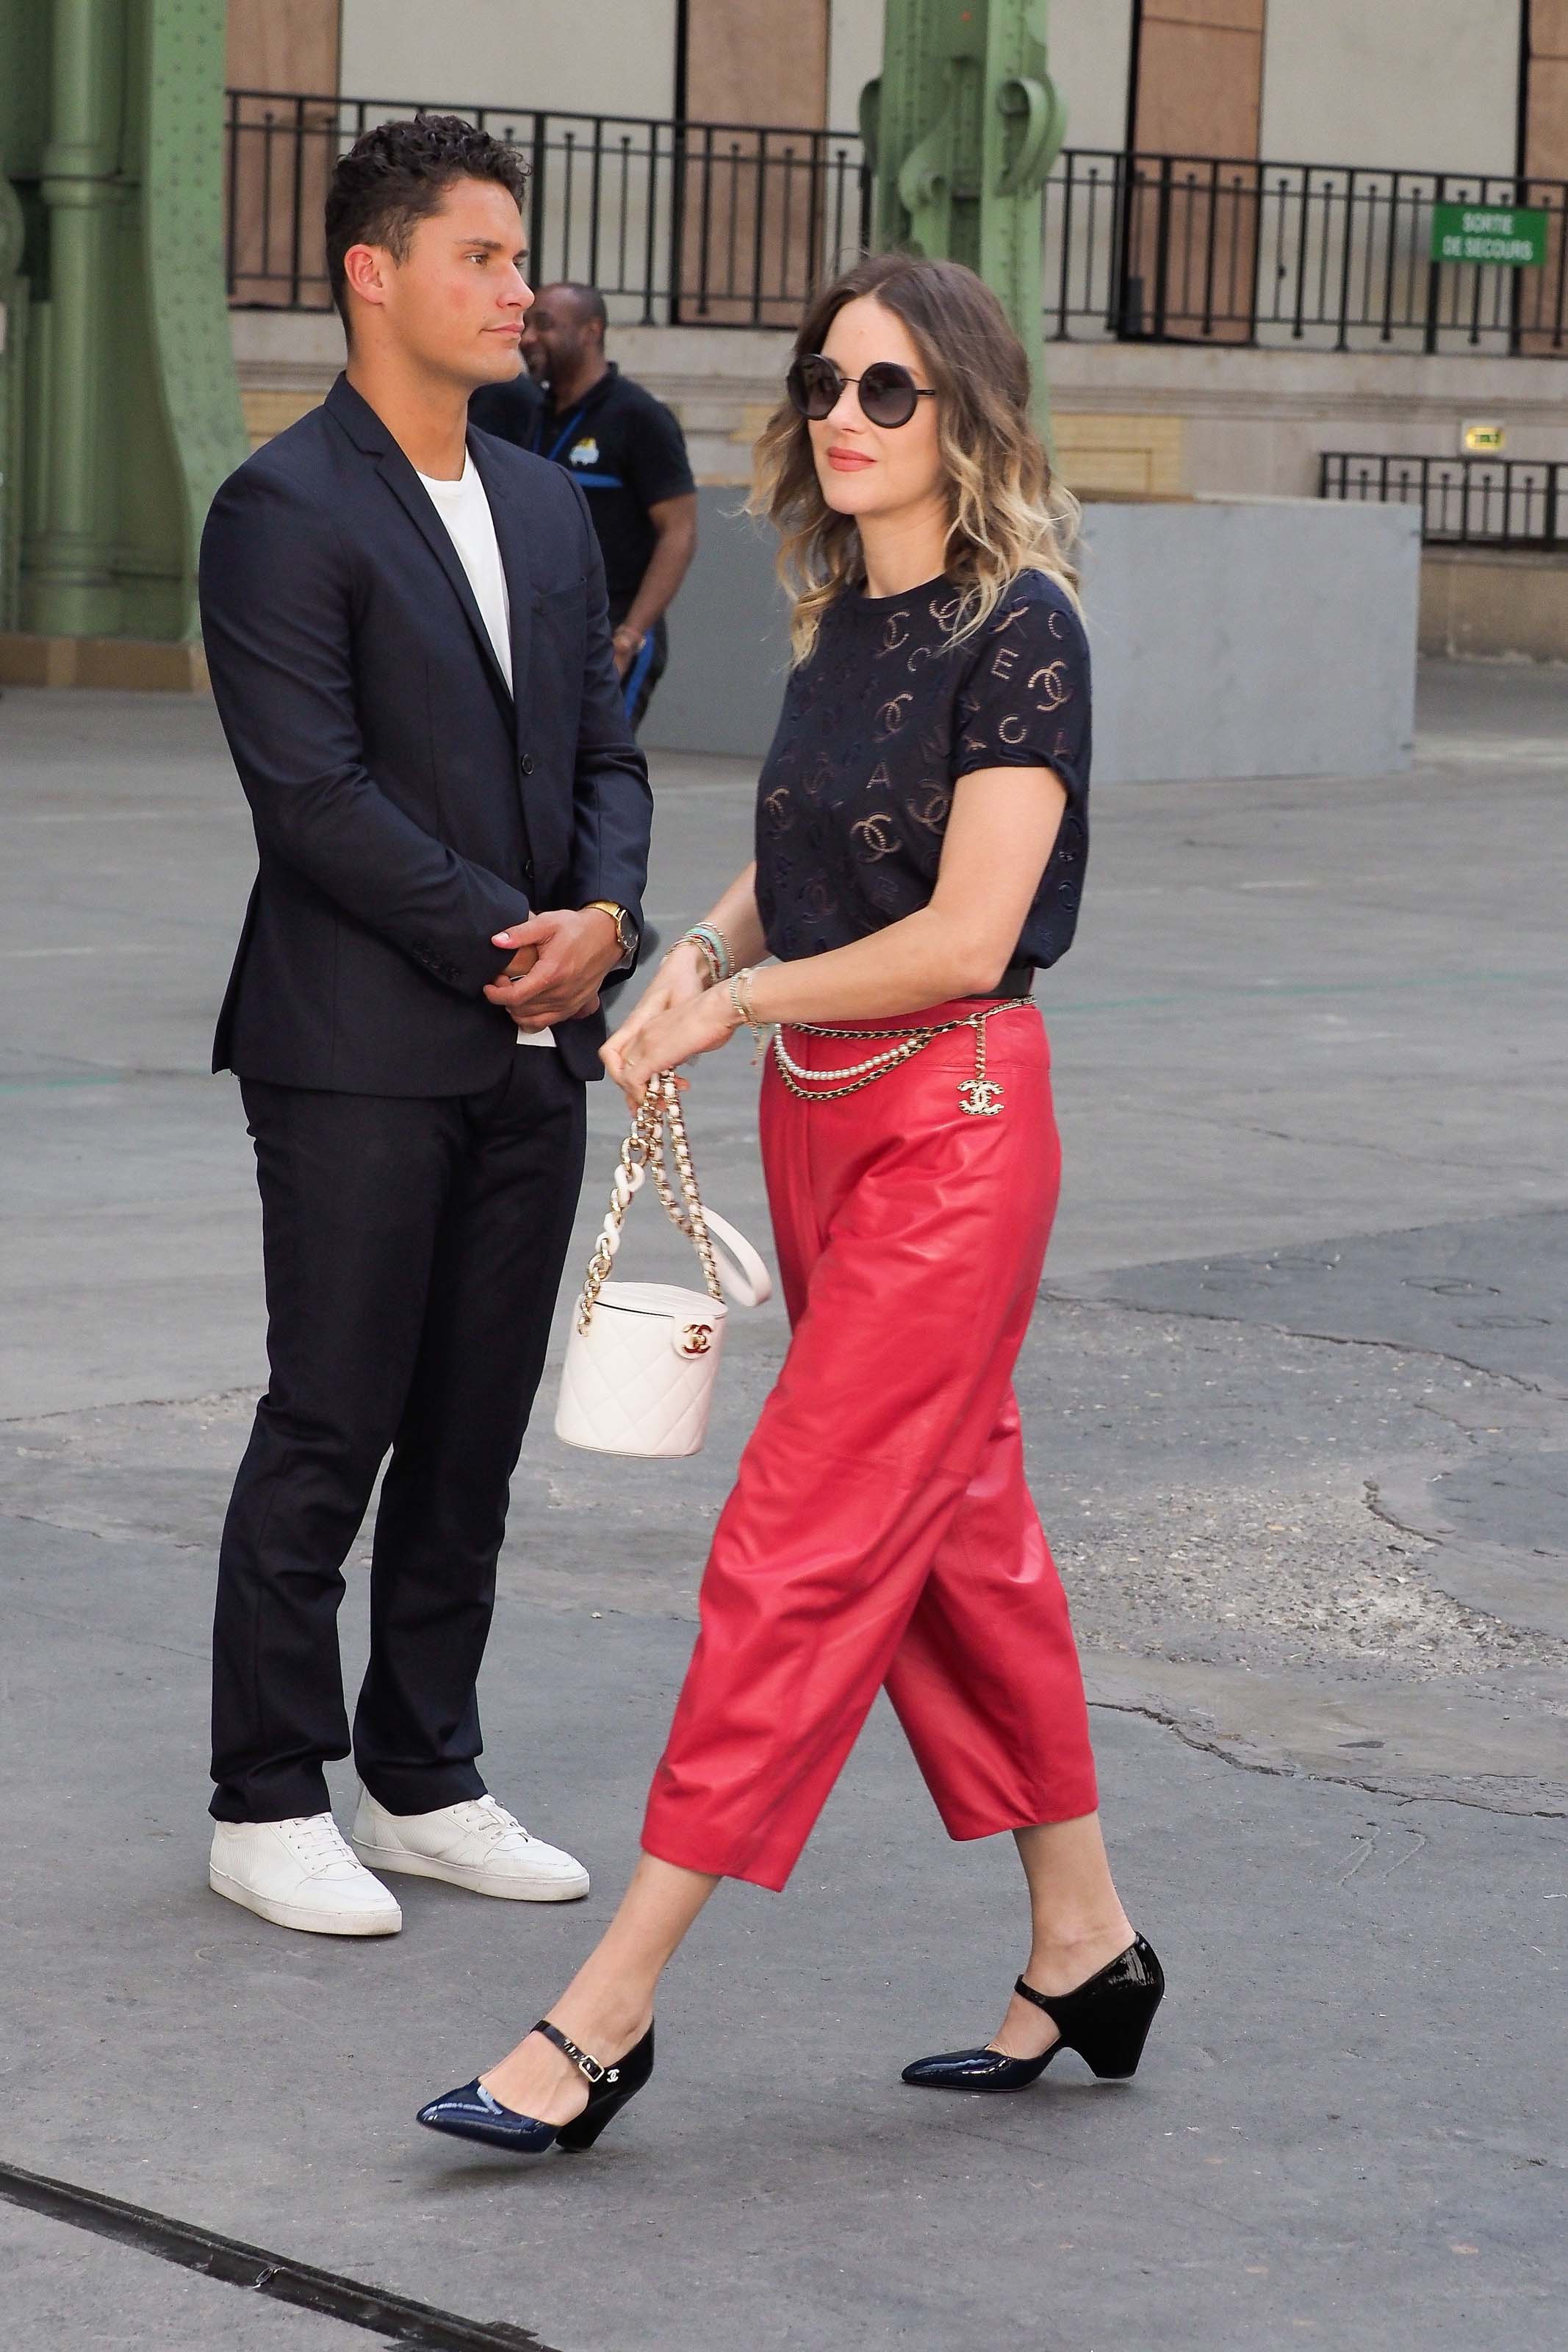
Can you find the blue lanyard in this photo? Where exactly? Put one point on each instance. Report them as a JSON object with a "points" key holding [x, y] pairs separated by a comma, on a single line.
{"points": [[567, 430]]}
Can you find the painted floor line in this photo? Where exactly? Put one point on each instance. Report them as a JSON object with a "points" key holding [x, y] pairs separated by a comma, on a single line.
{"points": [[395, 2318]]}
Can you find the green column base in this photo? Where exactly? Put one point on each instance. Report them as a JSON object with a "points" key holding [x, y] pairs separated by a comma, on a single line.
{"points": [[138, 664]]}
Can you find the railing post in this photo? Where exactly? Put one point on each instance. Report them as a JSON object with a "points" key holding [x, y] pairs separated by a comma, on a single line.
{"points": [[1162, 249], [296, 201], [1063, 276], [677, 218], [1211, 245], [1433, 285], [1119, 309], [539, 151], [758, 248], [650, 225], [816, 209], [596, 187], [231, 203], [1341, 341]]}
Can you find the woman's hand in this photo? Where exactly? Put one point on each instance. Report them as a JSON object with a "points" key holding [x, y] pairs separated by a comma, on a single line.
{"points": [[680, 979], [689, 1021]]}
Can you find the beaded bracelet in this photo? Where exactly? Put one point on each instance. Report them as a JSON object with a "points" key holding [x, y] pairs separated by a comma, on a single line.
{"points": [[715, 948], [705, 956]]}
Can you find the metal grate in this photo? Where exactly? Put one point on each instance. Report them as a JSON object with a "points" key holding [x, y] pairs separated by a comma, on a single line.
{"points": [[704, 224], [1167, 248], [1464, 501], [732, 224]]}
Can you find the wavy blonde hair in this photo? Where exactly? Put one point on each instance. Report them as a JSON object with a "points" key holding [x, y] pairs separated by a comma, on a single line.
{"points": [[1008, 513]]}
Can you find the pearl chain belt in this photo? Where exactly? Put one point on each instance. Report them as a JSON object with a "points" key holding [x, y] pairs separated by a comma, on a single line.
{"points": [[981, 1097]]}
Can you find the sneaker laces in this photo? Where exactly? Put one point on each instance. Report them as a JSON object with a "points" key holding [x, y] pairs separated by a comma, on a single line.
{"points": [[485, 1814], [317, 1840]]}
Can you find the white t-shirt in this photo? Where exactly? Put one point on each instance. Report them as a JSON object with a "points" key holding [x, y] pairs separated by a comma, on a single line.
{"points": [[466, 511]]}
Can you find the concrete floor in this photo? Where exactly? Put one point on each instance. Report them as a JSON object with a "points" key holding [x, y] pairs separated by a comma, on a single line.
{"points": [[1297, 1397]]}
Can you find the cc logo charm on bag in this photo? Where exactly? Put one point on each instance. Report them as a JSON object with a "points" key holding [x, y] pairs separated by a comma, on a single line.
{"points": [[641, 1358]]}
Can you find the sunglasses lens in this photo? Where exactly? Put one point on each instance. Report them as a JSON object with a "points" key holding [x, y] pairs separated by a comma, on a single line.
{"points": [[888, 394], [813, 384]]}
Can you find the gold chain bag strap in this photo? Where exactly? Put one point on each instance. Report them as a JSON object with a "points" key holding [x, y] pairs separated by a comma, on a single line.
{"points": [[642, 1358]]}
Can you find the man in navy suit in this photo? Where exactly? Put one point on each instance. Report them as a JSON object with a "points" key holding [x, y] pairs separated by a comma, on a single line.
{"points": [[407, 625]]}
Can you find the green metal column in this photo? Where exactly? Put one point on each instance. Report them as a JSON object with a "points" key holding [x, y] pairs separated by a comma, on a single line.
{"points": [[198, 419], [69, 589], [963, 128], [112, 130], [15, 305]]}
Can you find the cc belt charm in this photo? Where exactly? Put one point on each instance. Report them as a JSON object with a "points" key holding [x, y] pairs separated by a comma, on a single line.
{"points": [[981, 1097]]}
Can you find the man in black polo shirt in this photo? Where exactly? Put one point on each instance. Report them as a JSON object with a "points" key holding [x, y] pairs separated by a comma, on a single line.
{"points": [[625, 449]]}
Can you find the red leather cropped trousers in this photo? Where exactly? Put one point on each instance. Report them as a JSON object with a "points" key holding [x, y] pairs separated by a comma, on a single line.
{"points": [[880, 1531]]}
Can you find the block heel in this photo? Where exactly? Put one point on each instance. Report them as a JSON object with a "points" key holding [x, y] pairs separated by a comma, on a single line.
{"points": [[578, 2136], [1105, 2020]]}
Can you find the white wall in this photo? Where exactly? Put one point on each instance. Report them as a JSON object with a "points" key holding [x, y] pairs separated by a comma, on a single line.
{"points": [[593, 57], [1087, 43], [1424, 85], [854, 57], [1428, 84]]}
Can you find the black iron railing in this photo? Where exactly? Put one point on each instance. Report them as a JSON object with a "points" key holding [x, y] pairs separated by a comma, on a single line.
{"points": [[1320, 257], [704, 224], [1464, 501], [731, 224]]}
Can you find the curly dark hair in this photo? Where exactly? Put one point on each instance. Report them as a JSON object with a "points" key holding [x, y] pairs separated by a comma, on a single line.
{"points": [[395, 175]]}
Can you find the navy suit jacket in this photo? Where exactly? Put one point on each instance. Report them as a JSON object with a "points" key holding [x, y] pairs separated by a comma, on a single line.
{"points": [[406, 804]]}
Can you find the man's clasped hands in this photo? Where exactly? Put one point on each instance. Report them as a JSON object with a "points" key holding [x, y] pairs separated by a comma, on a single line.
{"points": [[558, 963]]}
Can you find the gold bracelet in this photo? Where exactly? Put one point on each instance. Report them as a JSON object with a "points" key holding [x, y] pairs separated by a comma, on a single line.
{"points": [[740, 999]]}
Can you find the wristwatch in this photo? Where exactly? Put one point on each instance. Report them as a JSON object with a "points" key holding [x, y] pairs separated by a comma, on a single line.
{"points": [[625, 930]]}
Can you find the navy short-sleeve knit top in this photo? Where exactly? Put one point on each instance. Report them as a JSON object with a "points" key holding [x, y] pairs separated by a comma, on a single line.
{"points": [[878, 727]]}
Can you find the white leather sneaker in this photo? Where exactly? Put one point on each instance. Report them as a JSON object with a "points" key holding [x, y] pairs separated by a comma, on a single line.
{"points": [[300, 1874], [478, 1844]]}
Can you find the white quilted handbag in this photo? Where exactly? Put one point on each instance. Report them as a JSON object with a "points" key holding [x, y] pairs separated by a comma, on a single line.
{"points": [[643, 1357]]}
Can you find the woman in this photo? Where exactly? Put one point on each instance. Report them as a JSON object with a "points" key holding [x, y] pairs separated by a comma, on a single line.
{"points": [[920, 847]]}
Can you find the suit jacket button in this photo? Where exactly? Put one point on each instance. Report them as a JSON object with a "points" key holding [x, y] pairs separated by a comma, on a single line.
{"points": [[527, 763], [527, 870]]}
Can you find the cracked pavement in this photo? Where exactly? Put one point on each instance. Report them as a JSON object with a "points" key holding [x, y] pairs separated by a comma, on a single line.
{"points": [[1297, 1404]]}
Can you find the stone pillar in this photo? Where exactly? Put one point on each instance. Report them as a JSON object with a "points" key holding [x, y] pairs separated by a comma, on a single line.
{"points": [[963, 126]]}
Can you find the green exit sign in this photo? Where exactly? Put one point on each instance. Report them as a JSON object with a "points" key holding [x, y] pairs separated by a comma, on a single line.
{"points": [[1505, 234]]}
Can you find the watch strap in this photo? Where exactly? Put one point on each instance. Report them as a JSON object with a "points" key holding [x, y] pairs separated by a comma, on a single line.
{"points": [[625, 930]]}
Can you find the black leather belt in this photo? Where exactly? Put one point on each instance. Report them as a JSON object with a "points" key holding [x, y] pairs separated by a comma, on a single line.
{"points": [[1016, 981]]}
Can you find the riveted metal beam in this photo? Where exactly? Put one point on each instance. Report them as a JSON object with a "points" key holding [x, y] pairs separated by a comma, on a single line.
{"points": [[963, 126]]}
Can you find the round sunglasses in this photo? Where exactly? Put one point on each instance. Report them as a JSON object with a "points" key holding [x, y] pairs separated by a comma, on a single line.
{"points": [[888, 393]]}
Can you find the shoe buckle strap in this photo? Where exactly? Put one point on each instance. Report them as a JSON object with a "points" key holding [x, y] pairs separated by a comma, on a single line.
{"points": [[589, 2068], [1041, 2000]]}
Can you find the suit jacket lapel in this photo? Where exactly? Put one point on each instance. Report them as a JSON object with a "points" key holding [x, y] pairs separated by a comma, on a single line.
{"points": [[512, 536], [412, 495], [359, 420]]}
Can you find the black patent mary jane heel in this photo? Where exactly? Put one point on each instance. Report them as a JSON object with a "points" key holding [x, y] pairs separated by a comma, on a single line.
{"points": [[1105, 2020], [475, 2113]]}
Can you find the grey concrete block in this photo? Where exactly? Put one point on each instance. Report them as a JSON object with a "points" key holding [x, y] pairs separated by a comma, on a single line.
{"points": [[1230, 637], [1251, 637]]}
